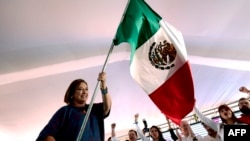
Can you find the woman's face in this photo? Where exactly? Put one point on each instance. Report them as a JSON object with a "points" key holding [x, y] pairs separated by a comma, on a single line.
{"points": [[81, 94], [226, 113], [154, 133]]}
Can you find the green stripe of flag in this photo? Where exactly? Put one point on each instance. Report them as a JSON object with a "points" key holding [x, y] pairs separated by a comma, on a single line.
{"points": [[139, 23]]}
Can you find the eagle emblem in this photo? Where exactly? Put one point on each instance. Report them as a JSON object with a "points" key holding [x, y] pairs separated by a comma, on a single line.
{"points": [[162, 55]]}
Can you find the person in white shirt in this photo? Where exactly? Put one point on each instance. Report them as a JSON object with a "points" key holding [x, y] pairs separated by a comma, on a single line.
{"points": [[132, 134], [113, 135], [212, 135], [187, 133]]}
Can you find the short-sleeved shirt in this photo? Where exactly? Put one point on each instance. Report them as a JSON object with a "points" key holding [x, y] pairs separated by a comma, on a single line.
{"points": [[67, 122]]}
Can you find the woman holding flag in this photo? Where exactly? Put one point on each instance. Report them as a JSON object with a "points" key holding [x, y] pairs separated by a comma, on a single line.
{"points": [[66, 123]]}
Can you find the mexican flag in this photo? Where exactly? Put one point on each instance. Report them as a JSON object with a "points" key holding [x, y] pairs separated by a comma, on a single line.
{"points": [[158, 59]]}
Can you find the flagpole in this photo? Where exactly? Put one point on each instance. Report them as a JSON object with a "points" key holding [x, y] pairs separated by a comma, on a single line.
{"points": [[93, 97], [96, 87], [169, 124]]}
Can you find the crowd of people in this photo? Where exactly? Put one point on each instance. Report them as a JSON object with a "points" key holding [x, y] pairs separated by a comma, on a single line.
{"points": [[67, 121], [215, 130]]}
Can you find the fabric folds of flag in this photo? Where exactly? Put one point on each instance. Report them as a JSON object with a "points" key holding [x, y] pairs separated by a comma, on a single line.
{"points": [[158, 59]]}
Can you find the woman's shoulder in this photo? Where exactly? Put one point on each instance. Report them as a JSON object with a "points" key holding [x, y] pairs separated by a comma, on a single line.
{"points": [[64, 108]]}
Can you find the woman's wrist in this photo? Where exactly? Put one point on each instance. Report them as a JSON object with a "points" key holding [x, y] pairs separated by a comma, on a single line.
{"points": [[104, 91]]}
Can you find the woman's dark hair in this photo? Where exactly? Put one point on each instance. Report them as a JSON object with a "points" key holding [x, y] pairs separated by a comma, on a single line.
{"points": [[68, 98], [224, 106], [159, 132]]}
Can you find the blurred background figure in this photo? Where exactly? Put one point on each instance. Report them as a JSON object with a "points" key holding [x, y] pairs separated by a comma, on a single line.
{"points": [[244, 106], [187, 133], [212, 134]]}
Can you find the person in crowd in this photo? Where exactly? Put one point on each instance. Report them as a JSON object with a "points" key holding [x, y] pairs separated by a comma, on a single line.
{"points": [[227, 117], [132, 134], [113, 135], [187, 133], [244, 106], [172, 134], [154, 132], [66, 123], [171, 131], [212, 135]]}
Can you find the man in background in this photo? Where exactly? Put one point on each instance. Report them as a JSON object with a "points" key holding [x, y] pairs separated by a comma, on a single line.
{"points": [[244, 106]]}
